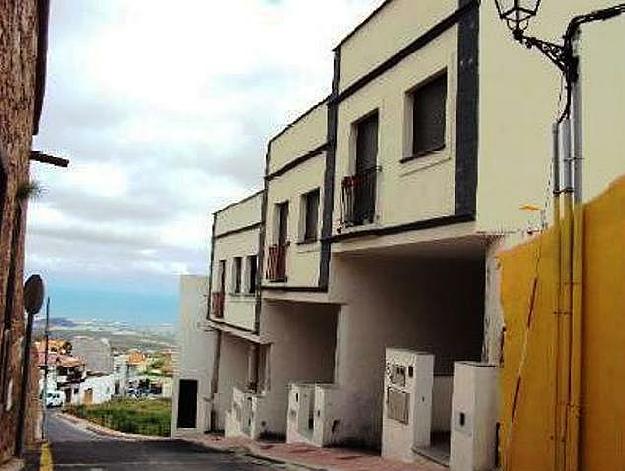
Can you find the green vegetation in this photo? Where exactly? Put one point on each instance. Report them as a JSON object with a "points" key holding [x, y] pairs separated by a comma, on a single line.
{"points": [[140, 416]]}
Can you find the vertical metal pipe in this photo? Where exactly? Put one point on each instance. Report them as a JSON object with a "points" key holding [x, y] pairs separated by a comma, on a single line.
{"points": [[573, 429], [557, 229], [576, 105], [45, 371]]}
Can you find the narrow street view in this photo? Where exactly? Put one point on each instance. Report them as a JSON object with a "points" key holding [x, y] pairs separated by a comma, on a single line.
{"points": [[338, 235], [76, 447]]}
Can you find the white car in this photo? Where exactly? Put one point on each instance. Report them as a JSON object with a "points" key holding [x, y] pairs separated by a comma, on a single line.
{"points": [[55, 399]]}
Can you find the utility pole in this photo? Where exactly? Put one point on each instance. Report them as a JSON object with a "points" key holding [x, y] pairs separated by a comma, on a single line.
{"points": [[45, 371]]}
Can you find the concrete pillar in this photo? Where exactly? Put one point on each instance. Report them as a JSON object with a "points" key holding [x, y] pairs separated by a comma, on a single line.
{"points": [[474, 417]]}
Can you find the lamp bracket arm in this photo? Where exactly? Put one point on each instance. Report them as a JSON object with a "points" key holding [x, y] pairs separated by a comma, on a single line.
{"points": [[560, 55]]}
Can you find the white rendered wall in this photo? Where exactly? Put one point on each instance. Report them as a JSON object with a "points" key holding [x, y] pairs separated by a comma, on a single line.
{"points": [[196, 348], [303, 340], [102, 388], [232, 373], [426, 305], [475, 416]]}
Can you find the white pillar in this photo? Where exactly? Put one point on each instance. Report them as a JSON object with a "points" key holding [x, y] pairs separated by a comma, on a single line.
{"points": [[474, 417]]}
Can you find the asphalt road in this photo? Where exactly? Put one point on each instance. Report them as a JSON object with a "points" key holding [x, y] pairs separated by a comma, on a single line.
{"points": [[74, 448]]}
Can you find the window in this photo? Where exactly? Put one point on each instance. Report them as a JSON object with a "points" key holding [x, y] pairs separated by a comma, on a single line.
{"points": [[429, 116], [222, 276], [282, 218], [236, 275], [252, 270], [310, 219]]}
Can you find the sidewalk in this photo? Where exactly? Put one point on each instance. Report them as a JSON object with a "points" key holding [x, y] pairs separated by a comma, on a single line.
{"points": [[330, 459]]}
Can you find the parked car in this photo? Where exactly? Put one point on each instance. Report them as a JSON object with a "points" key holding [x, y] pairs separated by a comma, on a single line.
{"points": [[55, 399]]}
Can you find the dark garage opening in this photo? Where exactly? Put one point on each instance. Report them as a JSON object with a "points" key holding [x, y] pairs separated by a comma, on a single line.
{"points": [[187, 403]]}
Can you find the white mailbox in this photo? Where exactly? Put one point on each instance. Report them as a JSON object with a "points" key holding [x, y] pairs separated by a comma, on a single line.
{"points": [[407, 420], [474, 417]]}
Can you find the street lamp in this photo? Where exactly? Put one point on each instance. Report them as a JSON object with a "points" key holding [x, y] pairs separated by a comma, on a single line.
{"points": [[517, 13], [568, 266]]}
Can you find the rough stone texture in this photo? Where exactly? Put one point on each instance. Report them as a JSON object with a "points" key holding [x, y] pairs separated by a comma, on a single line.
{"points": [[18, 55]]}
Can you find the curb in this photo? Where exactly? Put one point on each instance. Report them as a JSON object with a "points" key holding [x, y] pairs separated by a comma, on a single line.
{"points": [[102, 430]]}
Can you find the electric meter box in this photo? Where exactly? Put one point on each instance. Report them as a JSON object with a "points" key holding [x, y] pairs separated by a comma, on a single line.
{"points": [[407, 421]]}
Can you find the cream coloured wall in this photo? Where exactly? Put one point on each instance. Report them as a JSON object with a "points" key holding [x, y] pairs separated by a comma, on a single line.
{"points": [[238, 215], [306, 134], [391, 29], [518, 100], [302, 263], [419, 189], [239, 308]]}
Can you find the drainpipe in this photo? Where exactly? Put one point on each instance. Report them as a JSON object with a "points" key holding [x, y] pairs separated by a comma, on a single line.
{"points": [[573, 452], [215, 377], [563, 377]]}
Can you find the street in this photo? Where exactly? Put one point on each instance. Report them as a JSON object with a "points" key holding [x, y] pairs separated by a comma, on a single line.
{"points": [[73, 447]]}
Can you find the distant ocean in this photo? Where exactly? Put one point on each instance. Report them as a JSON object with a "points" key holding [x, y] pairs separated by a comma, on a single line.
{"points": [[114, 304]]}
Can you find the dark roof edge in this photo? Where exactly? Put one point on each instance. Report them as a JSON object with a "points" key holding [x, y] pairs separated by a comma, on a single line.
{"points": [[299, 118], [43, 19], [236, 203], [360, 25]]}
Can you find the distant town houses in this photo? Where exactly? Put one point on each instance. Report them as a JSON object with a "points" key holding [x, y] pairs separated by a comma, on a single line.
{"points": [[86, 370]]}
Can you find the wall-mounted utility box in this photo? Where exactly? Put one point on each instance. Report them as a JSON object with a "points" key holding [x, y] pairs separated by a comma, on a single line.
{"points": [[474, 417], [407, 420]]}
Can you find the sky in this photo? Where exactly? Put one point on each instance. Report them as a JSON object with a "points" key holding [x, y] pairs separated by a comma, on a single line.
{"points": [[164, 110]]}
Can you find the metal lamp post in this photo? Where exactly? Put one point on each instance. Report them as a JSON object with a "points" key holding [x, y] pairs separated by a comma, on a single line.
{"points": [[568, 231]]}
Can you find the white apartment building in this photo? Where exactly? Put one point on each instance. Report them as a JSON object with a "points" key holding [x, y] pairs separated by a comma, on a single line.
{"points": [[354, 301]]}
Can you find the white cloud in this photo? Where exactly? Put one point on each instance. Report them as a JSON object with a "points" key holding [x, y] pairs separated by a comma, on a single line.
{"points": [[164, 109]]}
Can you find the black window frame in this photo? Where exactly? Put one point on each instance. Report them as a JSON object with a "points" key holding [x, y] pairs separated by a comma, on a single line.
{"points": [[310, 220], [428, 116]]}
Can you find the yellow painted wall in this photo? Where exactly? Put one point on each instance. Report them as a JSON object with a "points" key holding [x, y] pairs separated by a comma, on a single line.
{"points": [[527, 442], [518, 100], [415, 190], [393, 28]]}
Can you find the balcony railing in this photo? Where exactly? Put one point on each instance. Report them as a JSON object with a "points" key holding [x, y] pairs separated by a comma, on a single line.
{"points": [[217, 305], [276, 264], [358, 197]]}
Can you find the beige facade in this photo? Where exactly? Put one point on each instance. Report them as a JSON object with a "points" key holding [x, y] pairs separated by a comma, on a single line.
{"points": [[235, 251], [436, 134], [296, 164]]}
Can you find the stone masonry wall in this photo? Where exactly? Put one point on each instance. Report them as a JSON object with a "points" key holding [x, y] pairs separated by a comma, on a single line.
{"points": [[18, 56]]}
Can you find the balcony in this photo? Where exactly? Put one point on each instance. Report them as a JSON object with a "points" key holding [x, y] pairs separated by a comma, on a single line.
{"points": [[276, 263], [217, 305], [358, 198]]}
